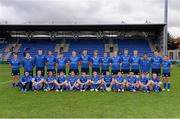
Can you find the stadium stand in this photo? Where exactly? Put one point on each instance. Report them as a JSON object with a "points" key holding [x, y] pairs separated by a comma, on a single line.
{"points": [[34, 44], [91, 44]]}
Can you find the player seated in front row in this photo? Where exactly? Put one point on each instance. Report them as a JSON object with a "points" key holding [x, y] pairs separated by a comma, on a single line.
{"points": [[95, 82], [83, 82], [25, 82], [107, 82], [132, 82], [60, 82], [49, 82], [155, 83], [144, 83], [72, 84], [37, 81], [120, 82]]}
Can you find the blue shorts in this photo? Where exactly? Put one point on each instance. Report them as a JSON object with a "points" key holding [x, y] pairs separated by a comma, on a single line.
{"points": [[156, 71], [125, 71], [15, 72], [115, 71], [86, 70], [135, 71], [167, 74]]}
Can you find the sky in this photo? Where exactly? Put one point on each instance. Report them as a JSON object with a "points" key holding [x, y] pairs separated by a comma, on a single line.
{"points": [[90, 12]]}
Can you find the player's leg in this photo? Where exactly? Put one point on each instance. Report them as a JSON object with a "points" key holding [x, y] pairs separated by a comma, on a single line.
{"points": [[63, 87], [113, 85], [51, 86], [169, 83], [21, 87], [15, 78], [46, 85], [27, 86], [39, 86], [56, 86], [131, 88], [164, 82]]}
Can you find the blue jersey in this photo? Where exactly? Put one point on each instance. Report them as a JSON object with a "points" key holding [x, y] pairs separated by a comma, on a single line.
{"points": [[156, 80], [145, 66], [72, 80], [83, 79], [38, 78], [107, 79], [95, 62], [39, 61], [50, 78], [125, 60], [85, 61], [156, 62], [120, 79], [131, 80], [28, 64], [166, 66], [105, 63], [50, 60], [74, 62], [116, 63], [61, 79], [61, 63], [143, 80], [95, 79], [135, 62], [25, 79], [15, 64]]}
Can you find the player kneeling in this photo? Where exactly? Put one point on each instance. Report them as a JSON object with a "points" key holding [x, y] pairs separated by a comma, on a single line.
{"points": [[37, 81], [107, 82], [72, 84], [144, 83], [49, 82], [132, 82], [60, 82], [155, 83], [95, 82], [25, 82], [83, 82], [120, 82]]}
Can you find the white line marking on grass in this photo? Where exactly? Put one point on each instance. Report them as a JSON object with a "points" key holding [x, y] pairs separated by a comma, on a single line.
{"points": [[5, 82]]}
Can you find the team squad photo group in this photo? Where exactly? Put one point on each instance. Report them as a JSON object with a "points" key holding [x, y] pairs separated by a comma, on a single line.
{"points": [[117, 73]]}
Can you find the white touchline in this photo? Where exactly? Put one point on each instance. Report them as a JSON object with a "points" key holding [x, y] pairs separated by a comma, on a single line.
{"points": [[5, 82]]}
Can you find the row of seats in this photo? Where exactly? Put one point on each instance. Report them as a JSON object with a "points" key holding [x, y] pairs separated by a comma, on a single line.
{"points": [[141, 45]]}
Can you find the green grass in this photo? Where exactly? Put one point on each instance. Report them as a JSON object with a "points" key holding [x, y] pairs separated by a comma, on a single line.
{"points": [[88, 104]]}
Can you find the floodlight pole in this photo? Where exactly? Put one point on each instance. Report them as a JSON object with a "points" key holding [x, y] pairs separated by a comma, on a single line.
{"points": [[165, 32]]}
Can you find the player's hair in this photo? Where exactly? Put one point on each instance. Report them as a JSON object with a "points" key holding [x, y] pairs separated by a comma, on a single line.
{"points": [[15, 53], [145, 54], [156, 51], [27, 53], [94, 71], [39, 49], [73, 50], [49, 51], [126, 49], [60, 53]]}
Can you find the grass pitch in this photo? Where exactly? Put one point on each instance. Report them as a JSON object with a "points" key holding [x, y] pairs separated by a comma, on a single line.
{"points": [[88, 104]]}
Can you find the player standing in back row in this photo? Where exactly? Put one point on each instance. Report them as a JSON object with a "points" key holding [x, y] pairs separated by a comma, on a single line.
{"points": [[40, 62], [156, 62], [15, 66], [125, 62], [135, 63], [166, 66], [85, 60]]}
